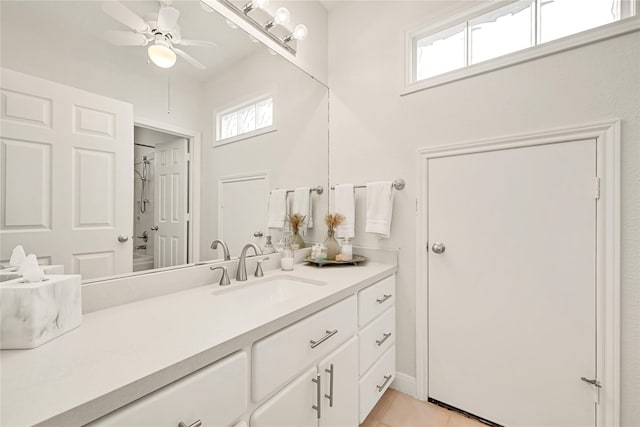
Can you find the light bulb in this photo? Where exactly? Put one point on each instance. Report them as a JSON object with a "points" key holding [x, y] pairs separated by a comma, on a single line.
{"points": [[282, 16], [260, 4], [161, 55], [300, 32]]}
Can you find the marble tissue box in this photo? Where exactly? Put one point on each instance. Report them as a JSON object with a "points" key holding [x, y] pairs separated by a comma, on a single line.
{"points": [[35, 313]]}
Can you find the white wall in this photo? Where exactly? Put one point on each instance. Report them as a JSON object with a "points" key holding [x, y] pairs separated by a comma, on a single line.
{"points": [[375, 134], [295, 155]]}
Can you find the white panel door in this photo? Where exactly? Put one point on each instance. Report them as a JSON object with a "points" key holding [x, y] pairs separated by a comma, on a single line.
{"points": [[170, 198], [242, 210], [66, 175], [339, 373], [511, 314]]}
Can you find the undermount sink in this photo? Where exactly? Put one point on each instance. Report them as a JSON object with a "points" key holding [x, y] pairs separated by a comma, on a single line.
{"points": [[268, 290]]}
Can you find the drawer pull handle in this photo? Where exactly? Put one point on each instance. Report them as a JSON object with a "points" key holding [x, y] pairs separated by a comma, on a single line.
{"points": [[384, 338], [384, 298], [330, 395], [387, 378], [316, 407], [328, 335], [198, 423]]}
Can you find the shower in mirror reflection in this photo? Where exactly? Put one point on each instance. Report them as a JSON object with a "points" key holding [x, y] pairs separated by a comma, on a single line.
{"points": [[143, 212]]}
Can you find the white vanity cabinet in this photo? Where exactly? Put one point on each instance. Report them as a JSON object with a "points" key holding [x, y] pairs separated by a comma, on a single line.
{"points": [[326, 395], [377, 351], [216, 395]]}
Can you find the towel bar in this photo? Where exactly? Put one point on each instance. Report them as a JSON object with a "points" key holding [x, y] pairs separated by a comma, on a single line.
{"points": [[318, 189], [398, 184]]}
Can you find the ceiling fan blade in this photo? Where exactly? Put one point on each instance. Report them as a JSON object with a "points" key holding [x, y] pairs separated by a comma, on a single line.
{"points": [[167, 18], [190, 59], [124, 15], [202, 43], [125, 38]]}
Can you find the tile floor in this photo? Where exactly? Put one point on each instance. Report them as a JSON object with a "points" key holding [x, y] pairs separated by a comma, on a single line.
{"points": [[395, 409]]}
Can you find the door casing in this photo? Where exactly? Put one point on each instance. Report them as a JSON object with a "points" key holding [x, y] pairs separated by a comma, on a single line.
{"points": [[607, 135]]}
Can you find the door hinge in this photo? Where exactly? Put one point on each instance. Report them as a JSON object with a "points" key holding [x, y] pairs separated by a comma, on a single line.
{"points": [[596, 188]]}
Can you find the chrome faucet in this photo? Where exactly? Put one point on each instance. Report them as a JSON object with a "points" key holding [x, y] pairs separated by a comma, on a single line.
{"points": [[241, 274], [225, 248]]}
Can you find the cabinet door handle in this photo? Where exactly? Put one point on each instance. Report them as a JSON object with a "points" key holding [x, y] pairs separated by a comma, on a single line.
{"points": [[330, 395], [198, 423], [328, 335], [384, 298], [384, 338], [386, 380], [318, 393]]}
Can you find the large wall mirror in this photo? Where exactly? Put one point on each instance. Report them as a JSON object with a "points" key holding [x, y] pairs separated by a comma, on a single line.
{"points": [[112, 165]]}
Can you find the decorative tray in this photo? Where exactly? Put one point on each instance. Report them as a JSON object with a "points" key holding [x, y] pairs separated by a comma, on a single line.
{"points": [[322, 262]]}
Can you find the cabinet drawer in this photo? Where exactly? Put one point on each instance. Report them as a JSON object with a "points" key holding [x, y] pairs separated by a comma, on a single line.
{"points": [[283, 355], [377, 338], [375, 299], [374, 383], [215, 395]]}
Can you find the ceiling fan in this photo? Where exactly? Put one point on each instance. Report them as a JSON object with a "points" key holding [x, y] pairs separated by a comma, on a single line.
{"points": [[162, 35]]}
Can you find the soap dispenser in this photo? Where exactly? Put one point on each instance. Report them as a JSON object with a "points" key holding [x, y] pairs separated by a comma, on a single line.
{"points": [[268, 247]]}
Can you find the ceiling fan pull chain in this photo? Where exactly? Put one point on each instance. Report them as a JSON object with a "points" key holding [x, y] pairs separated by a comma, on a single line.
{"points": [[169, 94]]}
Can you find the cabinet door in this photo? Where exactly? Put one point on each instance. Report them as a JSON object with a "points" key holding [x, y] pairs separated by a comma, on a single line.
{"points": [[292, 406], [339, 373]]}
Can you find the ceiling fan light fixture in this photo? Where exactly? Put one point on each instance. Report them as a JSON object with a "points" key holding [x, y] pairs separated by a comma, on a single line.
{"points": [[161, 55]]}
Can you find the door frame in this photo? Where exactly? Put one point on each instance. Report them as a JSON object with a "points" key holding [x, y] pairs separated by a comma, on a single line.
{"points": [[607, 136], [249, 176], [194, 179]]}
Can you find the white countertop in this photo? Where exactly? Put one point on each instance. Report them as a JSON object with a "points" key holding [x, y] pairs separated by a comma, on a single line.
{"points": [[122, 353]]}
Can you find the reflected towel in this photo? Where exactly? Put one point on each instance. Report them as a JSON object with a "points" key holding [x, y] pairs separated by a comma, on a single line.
{"points": [[302, 204], [277, 209], [379, 208], [345, 205]]}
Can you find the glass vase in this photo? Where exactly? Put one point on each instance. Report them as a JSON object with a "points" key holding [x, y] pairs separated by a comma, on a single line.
{"points": [[297, 241], [333, 248]]}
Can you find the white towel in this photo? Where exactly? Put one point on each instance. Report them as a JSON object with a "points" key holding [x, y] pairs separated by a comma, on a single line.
{"points": [[345, 205], [277, 209], [302, 204], [379, 208]]}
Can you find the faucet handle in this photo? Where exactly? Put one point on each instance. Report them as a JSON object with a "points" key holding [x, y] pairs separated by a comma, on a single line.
{"points": [[259, 272], [224, 279]]}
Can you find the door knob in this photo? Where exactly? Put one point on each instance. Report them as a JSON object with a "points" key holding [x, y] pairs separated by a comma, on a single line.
{"points": [[438, 248], [122, 238], [154, 228]]}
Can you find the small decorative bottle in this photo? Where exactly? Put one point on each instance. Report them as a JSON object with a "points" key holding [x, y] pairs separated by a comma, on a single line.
{"points": [[286, 262], [347, 250], [268, 247]]}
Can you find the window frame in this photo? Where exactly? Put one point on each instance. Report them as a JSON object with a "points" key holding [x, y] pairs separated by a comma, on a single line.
{"points": [[238, 105], [629, 22]]}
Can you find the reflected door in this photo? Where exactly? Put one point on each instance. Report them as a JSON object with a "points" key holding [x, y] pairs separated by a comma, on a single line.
{"points": [[242, 209], [512, 283], [66, 176], [170, 197]]}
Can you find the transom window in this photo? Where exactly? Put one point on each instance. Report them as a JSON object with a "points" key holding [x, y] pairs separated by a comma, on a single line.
{"points": [[493, 31], [245, 120]]}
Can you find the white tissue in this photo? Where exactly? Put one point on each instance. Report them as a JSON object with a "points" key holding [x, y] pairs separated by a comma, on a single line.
{"points": [[17, 256], [30, 270]]}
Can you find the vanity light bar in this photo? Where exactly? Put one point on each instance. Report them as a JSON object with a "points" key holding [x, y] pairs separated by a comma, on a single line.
{"points": [[243, 12], [398, 184]]}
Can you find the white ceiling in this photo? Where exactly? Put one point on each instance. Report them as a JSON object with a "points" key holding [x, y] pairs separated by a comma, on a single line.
{"points": [[79, 26]]}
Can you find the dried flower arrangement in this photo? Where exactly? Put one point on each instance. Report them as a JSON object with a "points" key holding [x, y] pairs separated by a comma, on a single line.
{"points": [[296, 221], [332, 221]]}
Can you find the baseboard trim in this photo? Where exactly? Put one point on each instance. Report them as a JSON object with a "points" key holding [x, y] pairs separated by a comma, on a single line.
{"points": [[405, 384]]}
